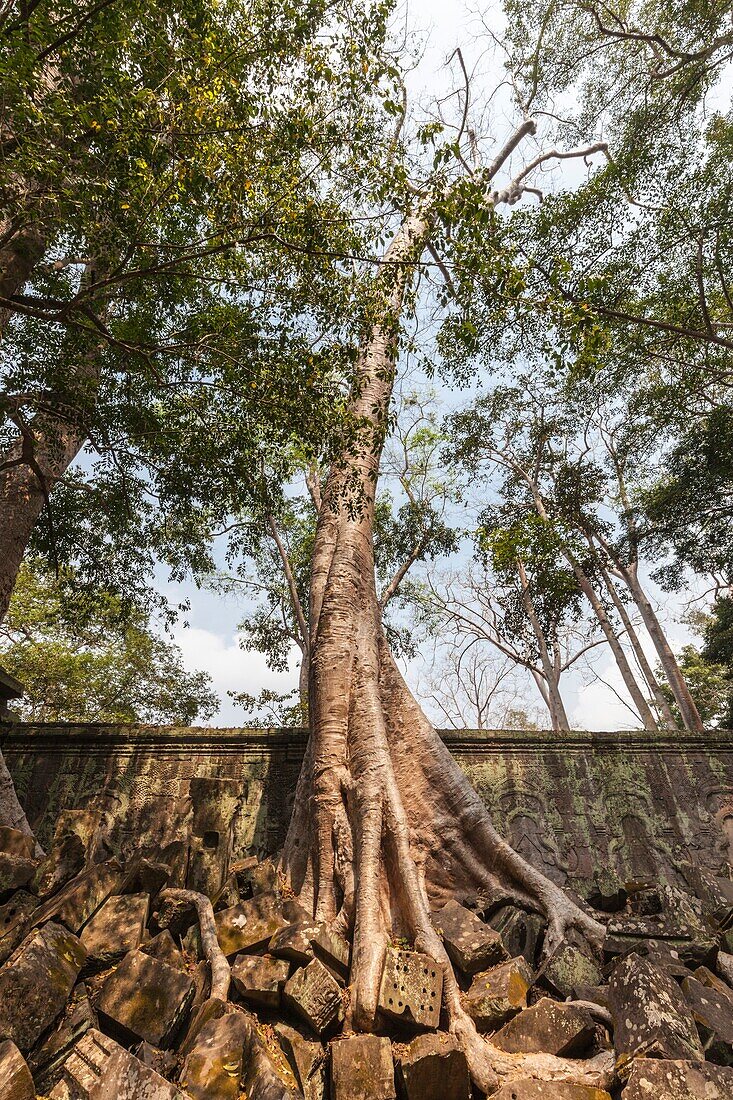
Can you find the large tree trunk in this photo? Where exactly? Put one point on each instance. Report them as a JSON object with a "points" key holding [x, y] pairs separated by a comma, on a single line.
{"points": [[555, 705], [385, 825], [627, 674], [21, 248]]}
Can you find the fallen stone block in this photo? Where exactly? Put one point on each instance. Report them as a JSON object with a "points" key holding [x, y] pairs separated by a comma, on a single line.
{"points": [[713, 1014], [259, 979], [315, 996], [411, 989], [117, 927], [15, 872], [649, 1012], [15, 920], [498, 994], [606, 892], [35, 984], [528, 1089], [49, 1056], [362, 1066], [81, 897], [434, 1068], [83, 1068], [724, 966], [333, 951], [567, 969], [549, 1028], [163, 948], [100, 1069], [145, 876], [471, 945], [16, 1082], [659, 1079], [213, 1068], [306, 1058], [294, 943], [520, 932], [211, 1009], [706, 977], [147, 998], [250, 926], [72, 844]]}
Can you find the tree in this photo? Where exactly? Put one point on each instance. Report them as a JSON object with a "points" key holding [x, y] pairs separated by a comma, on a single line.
{"points": [[82, 658]]}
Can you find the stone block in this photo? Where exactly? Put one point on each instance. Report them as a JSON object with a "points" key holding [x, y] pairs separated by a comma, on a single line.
{"points": [[127, 1078], [50, 1054], [315, 996], [712, 1011], [145, 876], [306, 1059], [15, 920], [73, 842], [163, 948], [362, 1066], [81, 897], [294, 943], [433, 1067], [213, 1067], [333, 951], [15, 843], [724, 966], [549, 1028], [15, 872], [16, 1082], [520, 932], [117, 927], [211, 1009], [259, 979], [214, 802], [706, 977], [650, 1015], [35, 984], [498, 994], [411, 989], [471, 945], [250, 925], [528, 1089], [147, 998], [567, 969], [84, 1067], [658, 1079]]}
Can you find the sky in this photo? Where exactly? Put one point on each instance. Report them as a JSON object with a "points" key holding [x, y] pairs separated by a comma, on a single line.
{"points": [[211, 640]]}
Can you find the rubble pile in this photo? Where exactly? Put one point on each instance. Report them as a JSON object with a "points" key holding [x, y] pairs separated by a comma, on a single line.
{"points": [[107, 992]]}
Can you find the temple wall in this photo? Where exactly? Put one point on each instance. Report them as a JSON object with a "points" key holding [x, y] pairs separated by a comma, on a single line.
{"points": [[639, 804]]}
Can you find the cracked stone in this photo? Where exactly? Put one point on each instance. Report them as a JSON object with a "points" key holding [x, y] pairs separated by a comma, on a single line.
{"points": [[294, 943], [569, 968], [520, 931], [549, 1028], [498, 994], [650, 1015], [306, 1059], [117, 927], [713, 1014], [81, 897], [411, 988], [15, 920], [84, 1067], [163, 948], [250, 925], [47, 1058], [658, 1079], [362, 1066], [259, 979], [15, 872], [434, 1068], [471, 944], [73, 839], [213, 1067], [16, 1082], [35, 984], [147, 998], [315, 996], [527, 1089], [333, 951]]}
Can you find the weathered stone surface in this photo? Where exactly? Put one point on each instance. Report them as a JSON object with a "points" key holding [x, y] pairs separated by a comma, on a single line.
{"points": [[127, 1078], [147, 998], [35, 984], [520, 931], [657, 1079], [713, 1014], [362, 1066], [81, 897], [163, 947], [471, 944], [568, 968], [117, 927], [145, 876], [528, 1089], [411, 988], [724, 966], [315, 995], [259, 979], [606, 891], [15, 871], [680, 922], [658, 952], [84, 1066], [333, 950], [215, 802], [434, 1068], [15, 920], [212, 1009], [498, 994], [15, 843], [73, 841], [213, 1068], [16, 1082], [77, 1019], [650, 1015], [706, 977], [547, 1027], [306, 1059], [294, 942], [250, 925]]}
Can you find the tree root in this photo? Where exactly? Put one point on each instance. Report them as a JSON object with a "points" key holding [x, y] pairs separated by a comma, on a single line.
{"points": [[221, 972]]}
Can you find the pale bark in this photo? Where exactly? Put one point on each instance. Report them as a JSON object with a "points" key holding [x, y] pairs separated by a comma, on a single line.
{"points": [[555, 705], [221, 972], [11, 811], [385, 825], [627, 674]]}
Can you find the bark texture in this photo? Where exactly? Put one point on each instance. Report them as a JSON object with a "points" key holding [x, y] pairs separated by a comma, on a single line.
{"points": [[385, 825]]}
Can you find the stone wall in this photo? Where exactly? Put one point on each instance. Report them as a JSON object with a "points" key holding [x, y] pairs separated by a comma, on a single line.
{"points": [[640, 804]]}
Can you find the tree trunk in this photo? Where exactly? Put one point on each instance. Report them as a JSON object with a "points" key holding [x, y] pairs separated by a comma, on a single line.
{"points": [[385, 825], [688, 710], [20, 251], [612, 638], [11, 811], [555, 705], [663, 708]]}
